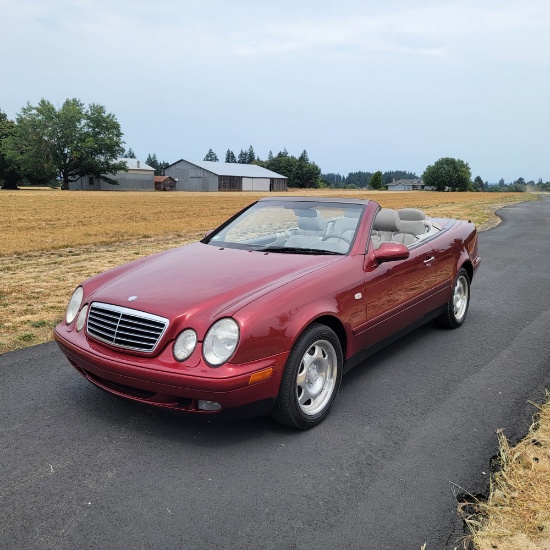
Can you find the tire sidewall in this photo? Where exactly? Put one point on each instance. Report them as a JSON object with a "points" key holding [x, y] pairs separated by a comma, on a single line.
{"points": [[452, 321], [287, 409]]}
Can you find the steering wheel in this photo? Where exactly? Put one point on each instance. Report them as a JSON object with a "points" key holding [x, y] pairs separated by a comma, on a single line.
{"points": [[326, 237]]}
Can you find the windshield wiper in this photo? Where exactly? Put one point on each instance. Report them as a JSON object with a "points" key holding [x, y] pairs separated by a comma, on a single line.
{"points": [[298, 250]]}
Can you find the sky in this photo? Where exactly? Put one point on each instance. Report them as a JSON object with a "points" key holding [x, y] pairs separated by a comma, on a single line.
{"points": [[361, 85]]}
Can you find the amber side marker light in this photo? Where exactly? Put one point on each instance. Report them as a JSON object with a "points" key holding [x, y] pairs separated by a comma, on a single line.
{"points": [[260, 376]]}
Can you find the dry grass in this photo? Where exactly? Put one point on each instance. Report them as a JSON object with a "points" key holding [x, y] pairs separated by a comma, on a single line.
{"points": [[42, 220], [517, 513]]}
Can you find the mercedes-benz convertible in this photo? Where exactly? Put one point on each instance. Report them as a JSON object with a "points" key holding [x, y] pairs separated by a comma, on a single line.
{"points": [[269, 311]]}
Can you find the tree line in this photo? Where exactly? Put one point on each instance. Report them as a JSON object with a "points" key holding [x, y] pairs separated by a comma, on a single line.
{"points": [[45, 145], [362, 179]]}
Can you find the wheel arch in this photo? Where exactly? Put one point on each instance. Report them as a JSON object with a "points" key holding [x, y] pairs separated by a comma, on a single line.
{"points": [[467, 265], [336, 325]]}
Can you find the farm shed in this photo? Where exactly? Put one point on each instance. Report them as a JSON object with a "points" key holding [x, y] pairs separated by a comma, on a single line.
{"points": [[224, 176], [164, 183], [140, 177]]}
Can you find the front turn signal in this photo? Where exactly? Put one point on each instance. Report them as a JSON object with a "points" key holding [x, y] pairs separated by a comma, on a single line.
{"points": [[260, 376]]}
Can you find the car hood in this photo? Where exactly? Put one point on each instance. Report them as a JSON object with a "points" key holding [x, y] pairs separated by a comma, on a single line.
{"points": [[203, 278]]}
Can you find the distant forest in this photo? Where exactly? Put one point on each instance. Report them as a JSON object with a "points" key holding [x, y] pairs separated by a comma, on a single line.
{"points": [[355, 180]]}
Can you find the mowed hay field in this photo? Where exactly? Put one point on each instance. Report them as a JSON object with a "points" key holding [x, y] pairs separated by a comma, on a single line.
{"points": [[53, 240]]}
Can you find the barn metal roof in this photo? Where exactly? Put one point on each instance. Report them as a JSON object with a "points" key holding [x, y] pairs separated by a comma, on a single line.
{"points": [[235, 169], [135, 164]]}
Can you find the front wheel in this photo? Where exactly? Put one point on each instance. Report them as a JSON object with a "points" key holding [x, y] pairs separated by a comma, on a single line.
{"points": [[311, 378], [457, 307]]}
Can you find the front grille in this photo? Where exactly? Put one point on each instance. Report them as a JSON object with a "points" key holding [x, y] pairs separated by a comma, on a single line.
{"points": [[125, 328]]}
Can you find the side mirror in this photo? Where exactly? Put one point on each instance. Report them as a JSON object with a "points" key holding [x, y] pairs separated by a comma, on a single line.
{"points": [[391, 252]]}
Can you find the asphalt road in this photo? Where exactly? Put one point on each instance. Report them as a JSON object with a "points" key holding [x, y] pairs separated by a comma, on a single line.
{"points": [[411, 428]]}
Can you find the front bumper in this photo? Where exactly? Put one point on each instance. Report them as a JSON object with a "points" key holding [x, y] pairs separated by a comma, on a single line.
{"points": [[162, 382]]}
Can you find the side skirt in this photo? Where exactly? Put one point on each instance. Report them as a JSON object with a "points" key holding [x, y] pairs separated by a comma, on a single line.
{"points": [[365, 353]]}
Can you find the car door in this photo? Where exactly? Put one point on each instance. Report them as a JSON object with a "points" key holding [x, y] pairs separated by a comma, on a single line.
{"points": [[397, 293]]}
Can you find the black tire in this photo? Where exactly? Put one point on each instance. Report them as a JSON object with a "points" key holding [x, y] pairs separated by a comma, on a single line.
{"points": [[311, 378], [457, 307]]}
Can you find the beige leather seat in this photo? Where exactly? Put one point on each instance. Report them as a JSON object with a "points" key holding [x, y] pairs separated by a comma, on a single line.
{"points": [[412, 225], [386, 224], [312, 227], [346, 225]]}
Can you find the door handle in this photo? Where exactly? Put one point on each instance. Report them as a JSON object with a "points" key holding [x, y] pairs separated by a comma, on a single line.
{"points": [[429, 260]]}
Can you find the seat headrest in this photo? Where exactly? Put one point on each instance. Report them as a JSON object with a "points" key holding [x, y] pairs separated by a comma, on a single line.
{"points": [[413, 228], [411, 214], [312, 221], [387, 219]]}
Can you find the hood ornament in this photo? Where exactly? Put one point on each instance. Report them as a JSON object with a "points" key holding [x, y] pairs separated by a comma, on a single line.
{"points": [[132, 298]]}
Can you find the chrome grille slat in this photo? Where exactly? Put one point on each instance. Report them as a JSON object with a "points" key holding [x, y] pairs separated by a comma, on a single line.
{"points": [[124, 327], [141, 322], [121, 333]]}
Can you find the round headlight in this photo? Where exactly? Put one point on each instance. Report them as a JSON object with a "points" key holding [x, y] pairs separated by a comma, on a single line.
{"points": [[184, 345], [74, 305], [81, 318], [220, 342]]}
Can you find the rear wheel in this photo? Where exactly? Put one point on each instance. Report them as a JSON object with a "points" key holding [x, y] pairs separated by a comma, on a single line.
{"points": [[311, 378], [457, 307]]}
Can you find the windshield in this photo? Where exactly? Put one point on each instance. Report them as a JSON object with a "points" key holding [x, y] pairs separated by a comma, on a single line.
{"points": [[292, 227]]}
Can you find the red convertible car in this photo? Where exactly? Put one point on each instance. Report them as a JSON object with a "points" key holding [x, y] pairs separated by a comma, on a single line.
{"points": [[265, 314]]}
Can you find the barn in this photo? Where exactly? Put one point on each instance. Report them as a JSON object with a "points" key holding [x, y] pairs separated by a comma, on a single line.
{"points": [[140, 177], [224, 176]]}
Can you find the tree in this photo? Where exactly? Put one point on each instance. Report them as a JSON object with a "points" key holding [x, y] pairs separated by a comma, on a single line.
{"points": [[10, 173], [449, 173], [303, 157], [333, 180], [153, 162], [211, 156], [270, 155], [359, 179], [251, 156], [230, 156], [377, 181], [501, 181], [243, 157], [130, 154], [300, 173], [70, 142], [478, 184]]}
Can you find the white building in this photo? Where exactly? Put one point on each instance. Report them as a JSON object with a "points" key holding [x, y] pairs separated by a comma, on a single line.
{"points": [[224, 176], [140, 177]]}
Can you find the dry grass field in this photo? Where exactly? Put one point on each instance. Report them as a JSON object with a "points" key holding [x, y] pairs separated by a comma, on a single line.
{"points": [[53, 240], [44, 220]]}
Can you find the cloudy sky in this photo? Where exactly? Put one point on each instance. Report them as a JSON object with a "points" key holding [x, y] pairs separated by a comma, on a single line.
{"points": [[360, 84]]}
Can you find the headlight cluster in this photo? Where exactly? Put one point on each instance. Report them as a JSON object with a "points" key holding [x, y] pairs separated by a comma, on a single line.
{"points": [[185, 345], [74, 305], [72, 309], [219, 344]]}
